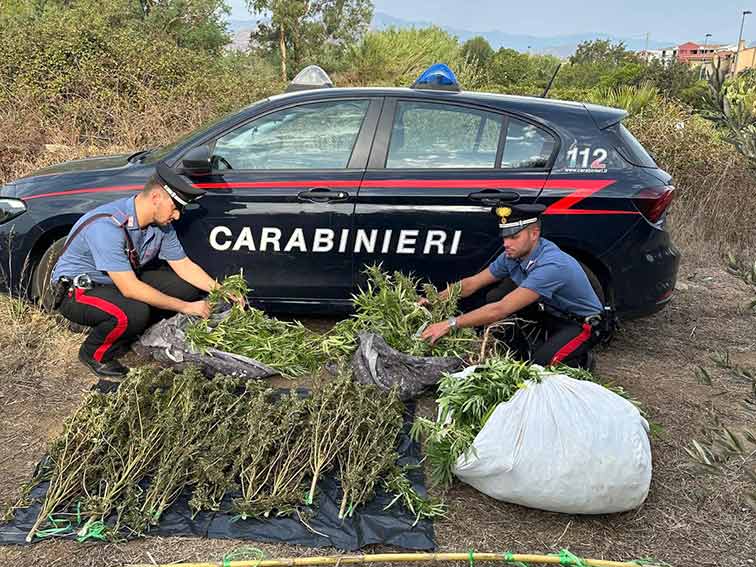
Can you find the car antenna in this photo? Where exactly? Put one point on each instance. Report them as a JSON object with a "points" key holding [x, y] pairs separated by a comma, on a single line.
{"points": [[546, 90]]}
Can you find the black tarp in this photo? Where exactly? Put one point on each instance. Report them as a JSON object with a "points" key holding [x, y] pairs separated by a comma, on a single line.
{"points": [[370, 524]]}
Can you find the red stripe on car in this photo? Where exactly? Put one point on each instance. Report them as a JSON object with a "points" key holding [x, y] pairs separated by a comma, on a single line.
{"points": [[580, 189], [79, 191]]}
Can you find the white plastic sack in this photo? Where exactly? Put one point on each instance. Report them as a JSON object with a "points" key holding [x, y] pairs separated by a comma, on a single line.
{"points": [[562, 445]]}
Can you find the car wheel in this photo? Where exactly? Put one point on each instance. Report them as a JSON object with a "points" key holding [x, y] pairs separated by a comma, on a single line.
{"points": [[595, 283], [41, 290]]}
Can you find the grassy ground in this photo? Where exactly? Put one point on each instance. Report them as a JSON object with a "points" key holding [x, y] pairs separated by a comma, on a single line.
{"points": [[690, 518]]}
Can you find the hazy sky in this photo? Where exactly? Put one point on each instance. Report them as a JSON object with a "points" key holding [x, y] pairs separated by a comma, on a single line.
{"points": [[665, 20]]}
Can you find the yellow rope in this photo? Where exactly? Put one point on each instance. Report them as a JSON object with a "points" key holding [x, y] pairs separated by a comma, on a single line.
{"points": [[398, 558]]}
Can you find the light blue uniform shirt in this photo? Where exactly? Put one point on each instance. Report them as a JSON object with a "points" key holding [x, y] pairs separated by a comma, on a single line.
{"points": [[554, 275], [101, 246]]}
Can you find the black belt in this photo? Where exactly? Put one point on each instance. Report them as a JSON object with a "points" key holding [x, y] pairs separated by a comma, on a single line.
{"points": [[82, 281], [592, 320]]}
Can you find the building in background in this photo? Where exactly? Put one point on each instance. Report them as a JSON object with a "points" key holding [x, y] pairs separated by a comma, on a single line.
{"points": [[706, 57]]}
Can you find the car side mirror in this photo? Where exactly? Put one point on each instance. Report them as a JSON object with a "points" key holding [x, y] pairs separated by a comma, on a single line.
{"points": [[197, 161]]}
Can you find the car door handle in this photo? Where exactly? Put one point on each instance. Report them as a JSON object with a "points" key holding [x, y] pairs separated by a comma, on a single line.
{"points": [[322, 195], [493, 196]]}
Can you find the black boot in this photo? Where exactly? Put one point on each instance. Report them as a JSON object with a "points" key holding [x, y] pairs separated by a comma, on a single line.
{"points": [[110, 369]]}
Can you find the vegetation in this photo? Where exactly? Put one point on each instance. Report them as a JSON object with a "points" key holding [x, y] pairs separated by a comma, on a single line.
{"points": [[464, 406], [123, 459], [387, 306]]}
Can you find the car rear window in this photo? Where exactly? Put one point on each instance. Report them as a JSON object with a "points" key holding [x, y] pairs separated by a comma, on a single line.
{"points": [[526, 146], [628, 147], [434, 135]]}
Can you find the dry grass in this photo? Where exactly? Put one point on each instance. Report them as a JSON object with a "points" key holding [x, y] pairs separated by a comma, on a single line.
{"points": [[40, 381], [715, 202]]}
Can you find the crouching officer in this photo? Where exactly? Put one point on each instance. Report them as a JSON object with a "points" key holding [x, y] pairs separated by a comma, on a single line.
{"points": [[107, 274], [534, 272]]}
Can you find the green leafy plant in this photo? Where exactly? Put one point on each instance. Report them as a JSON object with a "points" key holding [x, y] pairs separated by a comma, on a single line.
{"points": [[371, 450], [388, 305], [464, 406], [286, 346], [124, 458]]}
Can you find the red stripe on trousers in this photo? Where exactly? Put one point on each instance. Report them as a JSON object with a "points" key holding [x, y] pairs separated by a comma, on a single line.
{"points": [[572, 346], [122, 321]]}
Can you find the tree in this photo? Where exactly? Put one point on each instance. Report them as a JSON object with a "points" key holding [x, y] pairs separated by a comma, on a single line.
{"points": [[602, 51], [196, 24], [477, 50], [304, 28], [670, 77], [398, 56], [509, 67]]}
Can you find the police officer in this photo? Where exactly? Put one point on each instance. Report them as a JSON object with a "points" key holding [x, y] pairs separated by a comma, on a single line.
{"points": [[534, 271], [109, 267]]}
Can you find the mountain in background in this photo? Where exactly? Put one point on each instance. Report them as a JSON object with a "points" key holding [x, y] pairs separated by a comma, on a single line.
{"points": [[559, 45]]}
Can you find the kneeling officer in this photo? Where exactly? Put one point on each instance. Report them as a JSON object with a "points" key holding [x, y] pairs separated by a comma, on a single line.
{"points": [[107, 274], [534, 271]]}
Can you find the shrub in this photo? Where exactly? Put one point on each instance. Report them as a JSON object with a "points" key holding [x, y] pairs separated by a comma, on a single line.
{"points": [[714, 184]]}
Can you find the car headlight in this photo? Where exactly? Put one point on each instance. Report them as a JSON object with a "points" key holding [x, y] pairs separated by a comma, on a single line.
{"points": [[10, 208]]}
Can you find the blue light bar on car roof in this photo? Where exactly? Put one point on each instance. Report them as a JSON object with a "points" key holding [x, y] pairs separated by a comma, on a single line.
{"points": [[438, 77]]}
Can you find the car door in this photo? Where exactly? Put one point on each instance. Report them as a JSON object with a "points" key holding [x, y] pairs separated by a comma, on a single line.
{"points": [[436, 167], [281, 199]]}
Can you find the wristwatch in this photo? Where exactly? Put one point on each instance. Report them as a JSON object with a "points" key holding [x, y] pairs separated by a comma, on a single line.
{"points": [[452, 322]]}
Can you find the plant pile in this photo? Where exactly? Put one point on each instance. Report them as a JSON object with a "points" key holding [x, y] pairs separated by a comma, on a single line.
{"points": [[464, 406], [123, 459], [388, 306], [289, 347]]}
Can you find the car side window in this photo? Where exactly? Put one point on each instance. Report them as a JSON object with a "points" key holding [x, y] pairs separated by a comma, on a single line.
{"points": [[526, 146], [433, 135], [310, 136]]}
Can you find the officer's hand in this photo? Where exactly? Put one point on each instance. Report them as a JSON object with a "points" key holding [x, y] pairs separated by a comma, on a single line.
{"points": [[423, 301], [435, 331], [199, 308], [239, 299]]}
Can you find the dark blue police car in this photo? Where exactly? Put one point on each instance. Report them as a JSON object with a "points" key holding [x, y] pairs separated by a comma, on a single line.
{"points": [[307, 187]]}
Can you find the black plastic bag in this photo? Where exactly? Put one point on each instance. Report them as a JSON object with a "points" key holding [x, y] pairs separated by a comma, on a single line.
{"points": [[166, 342], [375, 362]]}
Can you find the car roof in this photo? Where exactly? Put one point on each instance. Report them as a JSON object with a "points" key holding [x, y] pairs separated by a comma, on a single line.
{"points": [[466, 96]]}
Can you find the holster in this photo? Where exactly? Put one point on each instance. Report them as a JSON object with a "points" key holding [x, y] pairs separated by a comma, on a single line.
{"points": [[59, 291]]}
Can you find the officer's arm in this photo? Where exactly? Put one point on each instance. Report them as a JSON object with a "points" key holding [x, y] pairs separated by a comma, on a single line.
{"points": [[472, 284], [492, 312], [511, 303], [192, 273], [133, 288]]}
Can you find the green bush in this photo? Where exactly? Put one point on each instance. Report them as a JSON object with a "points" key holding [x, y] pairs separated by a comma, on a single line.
{"points": [[119, 85], [396, 57]]}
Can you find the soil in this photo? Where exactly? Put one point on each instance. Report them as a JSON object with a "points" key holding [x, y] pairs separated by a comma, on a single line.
{"points": [[690, 517]]}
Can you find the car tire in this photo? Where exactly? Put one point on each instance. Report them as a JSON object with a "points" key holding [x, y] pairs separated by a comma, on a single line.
{"points": [[41, 289], [42, 292], [595, 283]]}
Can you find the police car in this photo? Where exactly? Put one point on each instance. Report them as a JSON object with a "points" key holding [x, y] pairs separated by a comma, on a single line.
{"points": [[306, 188]]}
